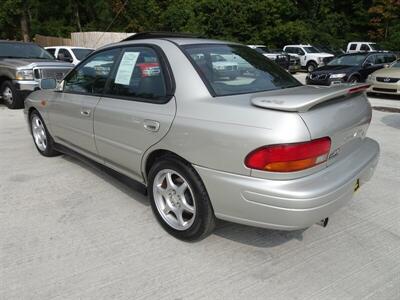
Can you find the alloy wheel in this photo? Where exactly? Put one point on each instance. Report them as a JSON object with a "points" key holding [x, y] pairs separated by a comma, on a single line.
{"points": [[174, 199], [39, 133]]}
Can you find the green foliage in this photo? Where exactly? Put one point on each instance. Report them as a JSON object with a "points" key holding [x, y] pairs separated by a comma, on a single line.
{"points": [[271, 22]]}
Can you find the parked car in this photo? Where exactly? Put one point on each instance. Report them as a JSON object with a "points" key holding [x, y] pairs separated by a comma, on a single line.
{"points": [[350, 68], [386, 81], [22, 66], [69, 54], [263, 150], [223, 67], [354, 47], [286, 61], [310, 57]]}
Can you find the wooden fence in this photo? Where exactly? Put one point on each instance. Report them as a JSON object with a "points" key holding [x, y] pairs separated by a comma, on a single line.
{"points": [[93, 39]]}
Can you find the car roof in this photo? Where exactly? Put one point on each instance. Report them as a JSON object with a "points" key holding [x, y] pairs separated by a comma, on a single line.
{"points": [[299, 45], [68, 47], [174, 37]]}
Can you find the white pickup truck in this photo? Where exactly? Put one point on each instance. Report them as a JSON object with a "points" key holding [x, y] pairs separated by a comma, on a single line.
{"points": [[310, 57]]}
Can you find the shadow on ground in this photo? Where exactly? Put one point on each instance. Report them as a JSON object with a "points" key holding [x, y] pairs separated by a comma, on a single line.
{"points": [[392, 120], [124, 184], [257, 237]]}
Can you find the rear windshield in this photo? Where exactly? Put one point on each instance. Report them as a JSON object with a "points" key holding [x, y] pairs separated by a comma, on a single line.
{"points": [[81, 53], [237, 69], [348, 60], [22, 50]]}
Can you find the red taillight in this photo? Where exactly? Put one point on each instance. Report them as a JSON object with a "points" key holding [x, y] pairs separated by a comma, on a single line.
{"points": [[359, 89], [289, 157]]}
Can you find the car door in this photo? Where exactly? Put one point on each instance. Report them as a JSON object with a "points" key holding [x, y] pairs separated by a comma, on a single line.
{"points": [[370, 65], [136, 111], [71, 113]]}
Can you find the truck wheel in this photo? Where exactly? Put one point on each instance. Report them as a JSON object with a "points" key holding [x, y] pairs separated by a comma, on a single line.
{"points": [[311, 66], [179, 199], [10, 96]]}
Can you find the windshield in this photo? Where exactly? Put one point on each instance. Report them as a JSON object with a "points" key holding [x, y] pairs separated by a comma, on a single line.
{"points": [[311, 50], [396, 64], [80, 54], [263, 49], [246, 71], [22, 50], [347, 60]]}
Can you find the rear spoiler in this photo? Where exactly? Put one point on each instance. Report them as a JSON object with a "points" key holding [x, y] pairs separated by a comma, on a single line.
{"points": [[303, 98]]}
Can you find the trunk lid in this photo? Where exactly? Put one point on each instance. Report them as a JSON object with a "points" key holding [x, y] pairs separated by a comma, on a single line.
{"points": [[342, 113]]}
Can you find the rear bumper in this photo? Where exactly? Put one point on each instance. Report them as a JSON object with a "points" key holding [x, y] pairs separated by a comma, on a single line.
{"points": [[289, 204]]}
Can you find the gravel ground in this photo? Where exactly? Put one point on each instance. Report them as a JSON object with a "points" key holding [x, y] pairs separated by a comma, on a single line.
{"points": [[70, 231]]}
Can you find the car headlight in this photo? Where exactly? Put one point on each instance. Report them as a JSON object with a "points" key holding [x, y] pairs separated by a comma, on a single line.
{"points": [[336, 76], [24, 75], [320, 59], [371, 78]]}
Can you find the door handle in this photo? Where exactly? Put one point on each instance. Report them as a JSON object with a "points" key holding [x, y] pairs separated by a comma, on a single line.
{"points": [[86, 112], [151, 125]]}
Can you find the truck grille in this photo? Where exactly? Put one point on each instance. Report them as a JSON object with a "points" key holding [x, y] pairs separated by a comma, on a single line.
{"points": [[387, 79], [55, 73]]}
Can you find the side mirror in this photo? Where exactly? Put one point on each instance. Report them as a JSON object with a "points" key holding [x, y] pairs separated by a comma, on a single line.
{"points": [[48, 84], [368, 65]]}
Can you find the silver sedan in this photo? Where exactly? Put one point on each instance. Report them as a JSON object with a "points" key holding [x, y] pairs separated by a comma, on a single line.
{"points": [[258, 148]]}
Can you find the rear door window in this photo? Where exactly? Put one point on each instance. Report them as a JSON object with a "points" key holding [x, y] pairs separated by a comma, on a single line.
{"points": [[364, 47], [353, 47], [139, 74]]}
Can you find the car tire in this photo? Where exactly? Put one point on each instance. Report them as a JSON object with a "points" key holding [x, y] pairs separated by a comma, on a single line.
{"points": [[354, 79], [311, 66], [41, 137], [179, 199], [10, 96]]}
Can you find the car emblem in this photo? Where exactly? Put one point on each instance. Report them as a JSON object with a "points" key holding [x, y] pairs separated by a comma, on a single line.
{"points": [[386, 79]]}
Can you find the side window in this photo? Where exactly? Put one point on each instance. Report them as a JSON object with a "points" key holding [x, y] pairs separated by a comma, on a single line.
{"points": [[300, 51], [380, 59], [91, 76], [353, 47], [364, 47], [370, 60], [289, 50], [389, 58], [52, 51], [63, 54], [139, 75]]}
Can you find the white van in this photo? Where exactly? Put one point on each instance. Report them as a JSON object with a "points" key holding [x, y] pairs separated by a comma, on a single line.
{"points": [[353, 47]]}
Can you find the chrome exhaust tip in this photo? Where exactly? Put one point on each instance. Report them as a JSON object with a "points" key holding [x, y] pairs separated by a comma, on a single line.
{"points": [[323, 222]]}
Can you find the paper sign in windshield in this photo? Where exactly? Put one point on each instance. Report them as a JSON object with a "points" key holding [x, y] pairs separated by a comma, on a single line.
{"points": [[126, 67]]}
